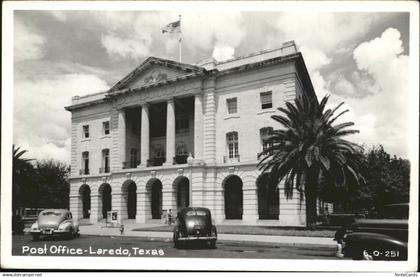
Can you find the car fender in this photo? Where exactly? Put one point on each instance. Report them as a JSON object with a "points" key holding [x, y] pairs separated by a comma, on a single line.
{"points": [[374, 238]]}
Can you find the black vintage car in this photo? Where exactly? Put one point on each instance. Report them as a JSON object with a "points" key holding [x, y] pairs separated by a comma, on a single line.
{"points": [[194, 224], [379, 239]]}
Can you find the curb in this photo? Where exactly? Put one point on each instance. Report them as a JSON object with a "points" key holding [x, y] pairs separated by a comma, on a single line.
{"points": [[297, 244]]}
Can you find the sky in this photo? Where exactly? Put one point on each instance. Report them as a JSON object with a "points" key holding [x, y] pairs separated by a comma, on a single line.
{"points": [[358, 58]]}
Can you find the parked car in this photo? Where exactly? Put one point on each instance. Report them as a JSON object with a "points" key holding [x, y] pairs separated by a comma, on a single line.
{"points": [[54, 222], [378, 239], [194, 224]]}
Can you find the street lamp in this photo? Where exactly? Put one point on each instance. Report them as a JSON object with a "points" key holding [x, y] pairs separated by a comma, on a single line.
{"points": [[190, 161]]}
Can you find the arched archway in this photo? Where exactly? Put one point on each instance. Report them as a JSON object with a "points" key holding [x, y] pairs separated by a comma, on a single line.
{"points": [[181, 188], [84, 196], [268, 198], [129, 190], [105, 198], [154, 189], [232, 186]]}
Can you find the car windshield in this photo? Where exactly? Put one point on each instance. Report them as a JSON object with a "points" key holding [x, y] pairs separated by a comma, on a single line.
{"points": [[51, 213], [195, 212]]}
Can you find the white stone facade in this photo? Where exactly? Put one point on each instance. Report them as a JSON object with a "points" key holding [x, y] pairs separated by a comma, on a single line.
{"points": [[162, 112]]}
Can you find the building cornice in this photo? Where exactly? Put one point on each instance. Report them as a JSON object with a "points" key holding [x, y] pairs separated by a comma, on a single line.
{"points": [[197, 72]]}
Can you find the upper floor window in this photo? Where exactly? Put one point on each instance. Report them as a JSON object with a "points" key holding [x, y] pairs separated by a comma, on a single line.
{"points": [[181, 149], [133, 157], [159, 152], [134, 128], [265, 134], [266, 100], [182, 124], [232, 105], [105, 161], [85, 131], [85, 163], [105, 127], [232, 144]]}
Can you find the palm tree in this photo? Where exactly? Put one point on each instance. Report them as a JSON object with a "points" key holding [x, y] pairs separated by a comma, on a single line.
{"points": [[310, 148], [21, 171]]}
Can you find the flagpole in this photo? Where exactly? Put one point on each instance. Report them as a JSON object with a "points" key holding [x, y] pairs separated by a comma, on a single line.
{"points": [[180, 40]]}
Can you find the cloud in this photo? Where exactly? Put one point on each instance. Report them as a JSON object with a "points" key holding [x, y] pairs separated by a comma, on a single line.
{"points": [[59, 15], [222, 52], [28, 45], [381, 59], [134, 34], [127, 48], [41, 124], [334, 30], [314, 58]]}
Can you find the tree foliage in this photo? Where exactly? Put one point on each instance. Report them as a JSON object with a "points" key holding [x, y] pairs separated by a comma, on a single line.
{"points": [[311, 148], [40, 184]]}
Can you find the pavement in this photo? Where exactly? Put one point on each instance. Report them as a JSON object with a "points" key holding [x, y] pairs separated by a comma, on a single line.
{"points": [[99, 229]]}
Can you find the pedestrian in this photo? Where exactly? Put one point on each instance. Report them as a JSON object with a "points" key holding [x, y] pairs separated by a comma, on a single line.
{"points": [[339, 237], [170, 217]]}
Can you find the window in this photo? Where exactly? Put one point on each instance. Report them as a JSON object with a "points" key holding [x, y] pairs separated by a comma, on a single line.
{"points": [[232, 143], [134, 128], [181, 149], [266, 100], [265, 134], [85, 131], [133, 158], [85, 163], [160, 153], [105, 127], [105, 161], [182, 124], [232, 105]]}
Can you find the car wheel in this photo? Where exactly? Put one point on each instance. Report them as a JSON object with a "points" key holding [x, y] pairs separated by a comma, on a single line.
{"points": [[213, 244], [176, 239], [35, 237]]}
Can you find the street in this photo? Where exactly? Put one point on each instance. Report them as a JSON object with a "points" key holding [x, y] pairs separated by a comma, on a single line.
{"points": [[148, 247]]}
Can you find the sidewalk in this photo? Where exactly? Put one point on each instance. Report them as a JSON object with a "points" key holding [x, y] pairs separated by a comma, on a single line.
{"points": [[99, 229]]}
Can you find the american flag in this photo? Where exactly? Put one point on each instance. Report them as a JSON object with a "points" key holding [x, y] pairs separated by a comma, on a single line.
{"points": [[172, 27]]}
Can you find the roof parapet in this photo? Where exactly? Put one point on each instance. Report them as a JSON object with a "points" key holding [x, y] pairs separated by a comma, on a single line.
{"points": [[288, 47]]}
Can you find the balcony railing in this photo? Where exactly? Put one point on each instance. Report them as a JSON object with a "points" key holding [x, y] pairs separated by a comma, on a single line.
{"points": [[104, 169], [156, 161], [84, 171], [180, 159], [130, 164], [227, 159]]}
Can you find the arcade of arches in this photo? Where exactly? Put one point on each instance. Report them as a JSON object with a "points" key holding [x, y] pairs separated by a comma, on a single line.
{"points": [[150, 202]]}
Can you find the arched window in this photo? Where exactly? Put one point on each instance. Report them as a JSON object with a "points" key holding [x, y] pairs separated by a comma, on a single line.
{"points": [[232, 145]]}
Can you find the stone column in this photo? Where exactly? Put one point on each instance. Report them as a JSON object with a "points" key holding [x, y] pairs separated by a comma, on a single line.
{"points": [[95, 208], [141, 206], [170, 132], [291, 211], [198, 127], [119, 203], [75, 204], [122, 136], [209, 147], [250, 203], [145, 137]]}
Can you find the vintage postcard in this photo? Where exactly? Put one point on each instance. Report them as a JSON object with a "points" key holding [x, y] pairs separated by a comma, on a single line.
{"points": [[252, 136]]}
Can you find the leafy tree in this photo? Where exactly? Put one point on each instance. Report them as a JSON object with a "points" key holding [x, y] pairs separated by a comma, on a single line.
{"points": [[23, 172], [50, 188], [387, 180], [309, 149]]}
